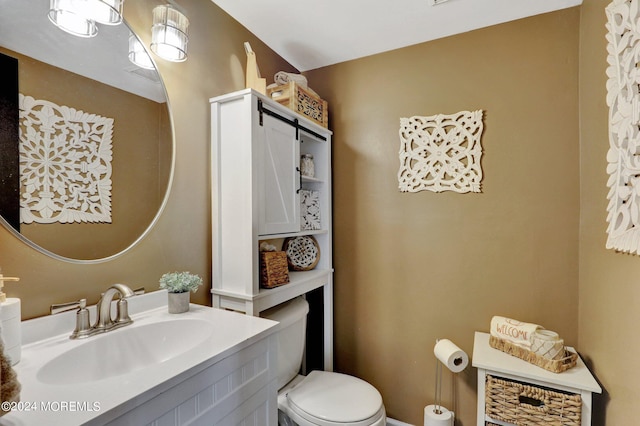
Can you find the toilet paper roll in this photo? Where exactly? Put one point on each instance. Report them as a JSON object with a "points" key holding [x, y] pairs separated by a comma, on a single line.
{"points": [[450, 355], [434, 418]]}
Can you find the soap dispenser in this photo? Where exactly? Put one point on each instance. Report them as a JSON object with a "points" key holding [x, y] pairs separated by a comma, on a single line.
{"points": [[10, 327]]}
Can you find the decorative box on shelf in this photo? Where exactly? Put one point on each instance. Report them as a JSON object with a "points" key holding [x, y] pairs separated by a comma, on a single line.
{"points": [[302, 101], [274, 269]]}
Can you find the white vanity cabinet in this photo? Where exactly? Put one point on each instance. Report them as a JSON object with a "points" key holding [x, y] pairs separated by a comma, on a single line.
{"points": [[238, 390], [203, 367], [256, 181]]}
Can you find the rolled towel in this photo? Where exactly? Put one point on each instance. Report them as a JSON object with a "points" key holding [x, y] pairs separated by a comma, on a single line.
{"points": [[514, 331], [547, 344], [282, 77]]}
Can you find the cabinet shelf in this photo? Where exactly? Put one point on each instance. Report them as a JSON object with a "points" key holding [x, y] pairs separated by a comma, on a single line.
{"points": [[307, 179], [300, 282], [293, 234]]}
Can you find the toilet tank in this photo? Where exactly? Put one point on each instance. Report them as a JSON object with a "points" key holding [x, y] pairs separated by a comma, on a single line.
{"points": [[292, 316]]}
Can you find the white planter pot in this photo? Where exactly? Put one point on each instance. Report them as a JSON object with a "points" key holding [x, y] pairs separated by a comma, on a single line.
{"points": [[179, 302]]}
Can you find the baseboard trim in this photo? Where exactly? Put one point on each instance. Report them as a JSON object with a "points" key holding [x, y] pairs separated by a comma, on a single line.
{"points": [[394, 422]]}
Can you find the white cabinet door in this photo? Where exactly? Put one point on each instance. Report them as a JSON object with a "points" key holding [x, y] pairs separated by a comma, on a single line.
{"points": [[279, 159]]}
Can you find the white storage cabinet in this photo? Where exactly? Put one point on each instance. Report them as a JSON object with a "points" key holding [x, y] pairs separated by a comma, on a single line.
{"points": [[256, 145]]}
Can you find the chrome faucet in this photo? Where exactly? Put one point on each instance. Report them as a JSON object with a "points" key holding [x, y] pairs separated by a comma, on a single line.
{"points": [[104, 321]]}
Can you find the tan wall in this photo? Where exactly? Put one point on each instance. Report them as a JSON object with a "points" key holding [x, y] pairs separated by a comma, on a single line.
{"points": [[411, 268], [180, 240], [415, 267], [609, 281]]}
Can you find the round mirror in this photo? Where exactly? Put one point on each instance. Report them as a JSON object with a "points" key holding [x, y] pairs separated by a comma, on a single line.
{"points": [[90, 139]]}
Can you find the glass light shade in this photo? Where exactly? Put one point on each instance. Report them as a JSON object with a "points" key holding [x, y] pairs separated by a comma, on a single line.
{"points": [[65, 15], [108, 12], [169, 34], [138, 54]]}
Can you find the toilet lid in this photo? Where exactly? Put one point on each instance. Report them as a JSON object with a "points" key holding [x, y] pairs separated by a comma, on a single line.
{"points": [[334, 397]]}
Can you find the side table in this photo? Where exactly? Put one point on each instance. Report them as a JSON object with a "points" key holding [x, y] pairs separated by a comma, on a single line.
{"points": [[490, 361]]}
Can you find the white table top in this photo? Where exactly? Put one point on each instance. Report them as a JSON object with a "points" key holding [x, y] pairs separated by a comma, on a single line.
{"points": [[488, 358]]}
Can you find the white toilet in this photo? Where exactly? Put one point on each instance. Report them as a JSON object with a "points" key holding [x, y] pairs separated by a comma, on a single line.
{"points": [[321, 398]]}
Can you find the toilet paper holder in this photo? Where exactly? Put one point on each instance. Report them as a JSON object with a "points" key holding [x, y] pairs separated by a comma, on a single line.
{"points": [[456, 360]]}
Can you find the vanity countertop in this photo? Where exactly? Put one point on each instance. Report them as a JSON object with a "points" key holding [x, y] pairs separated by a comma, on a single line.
{"points": [[98, 402]]}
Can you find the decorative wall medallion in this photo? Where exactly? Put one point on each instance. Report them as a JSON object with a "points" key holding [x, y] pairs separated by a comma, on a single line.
{"points": [[65, 164], [309, 210], [623, 157], [303, 253], [441, 153]]}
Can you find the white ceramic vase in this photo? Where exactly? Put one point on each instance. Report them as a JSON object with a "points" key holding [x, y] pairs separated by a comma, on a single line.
{"points": [[179, 302]]}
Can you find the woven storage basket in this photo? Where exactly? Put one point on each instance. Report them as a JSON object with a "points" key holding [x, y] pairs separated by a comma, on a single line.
{"points": [[274, 270], [528, 405], [554, 365], [302, 101]]}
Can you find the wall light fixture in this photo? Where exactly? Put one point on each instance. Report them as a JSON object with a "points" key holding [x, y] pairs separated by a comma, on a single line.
{"points": [[107, 12], [79, 17], [68, 17], [138, 54], [169, 34]]}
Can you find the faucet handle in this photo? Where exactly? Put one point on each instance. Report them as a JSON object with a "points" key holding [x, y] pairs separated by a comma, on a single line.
{"points": [[122, 314], [57, 308], [83, 326]]}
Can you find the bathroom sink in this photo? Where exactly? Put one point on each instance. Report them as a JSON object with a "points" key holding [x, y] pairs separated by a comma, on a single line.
{"points": [[124, 350]]}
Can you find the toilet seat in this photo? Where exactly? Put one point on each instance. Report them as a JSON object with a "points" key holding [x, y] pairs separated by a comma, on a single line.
{"points": [[329, 399]]}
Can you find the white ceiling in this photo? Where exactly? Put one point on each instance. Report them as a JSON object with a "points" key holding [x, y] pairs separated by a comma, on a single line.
{"points": [[310, 34]]}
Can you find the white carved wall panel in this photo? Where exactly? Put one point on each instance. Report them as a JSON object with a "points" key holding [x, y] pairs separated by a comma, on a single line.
{"points": [[623, 99], [309, 210], [65, 164], [441, 153]]}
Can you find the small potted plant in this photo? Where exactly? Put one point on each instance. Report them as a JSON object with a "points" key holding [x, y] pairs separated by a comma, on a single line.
{"points": [[179, 284]]}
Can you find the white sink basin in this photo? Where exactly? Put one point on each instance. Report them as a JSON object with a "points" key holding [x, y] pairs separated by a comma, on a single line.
{"points": [[124, 350]]}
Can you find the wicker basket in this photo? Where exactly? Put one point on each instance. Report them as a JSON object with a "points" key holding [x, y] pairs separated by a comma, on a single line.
{"points": [[554, 365], [302, 101], [274, 270], [528, 405]]}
